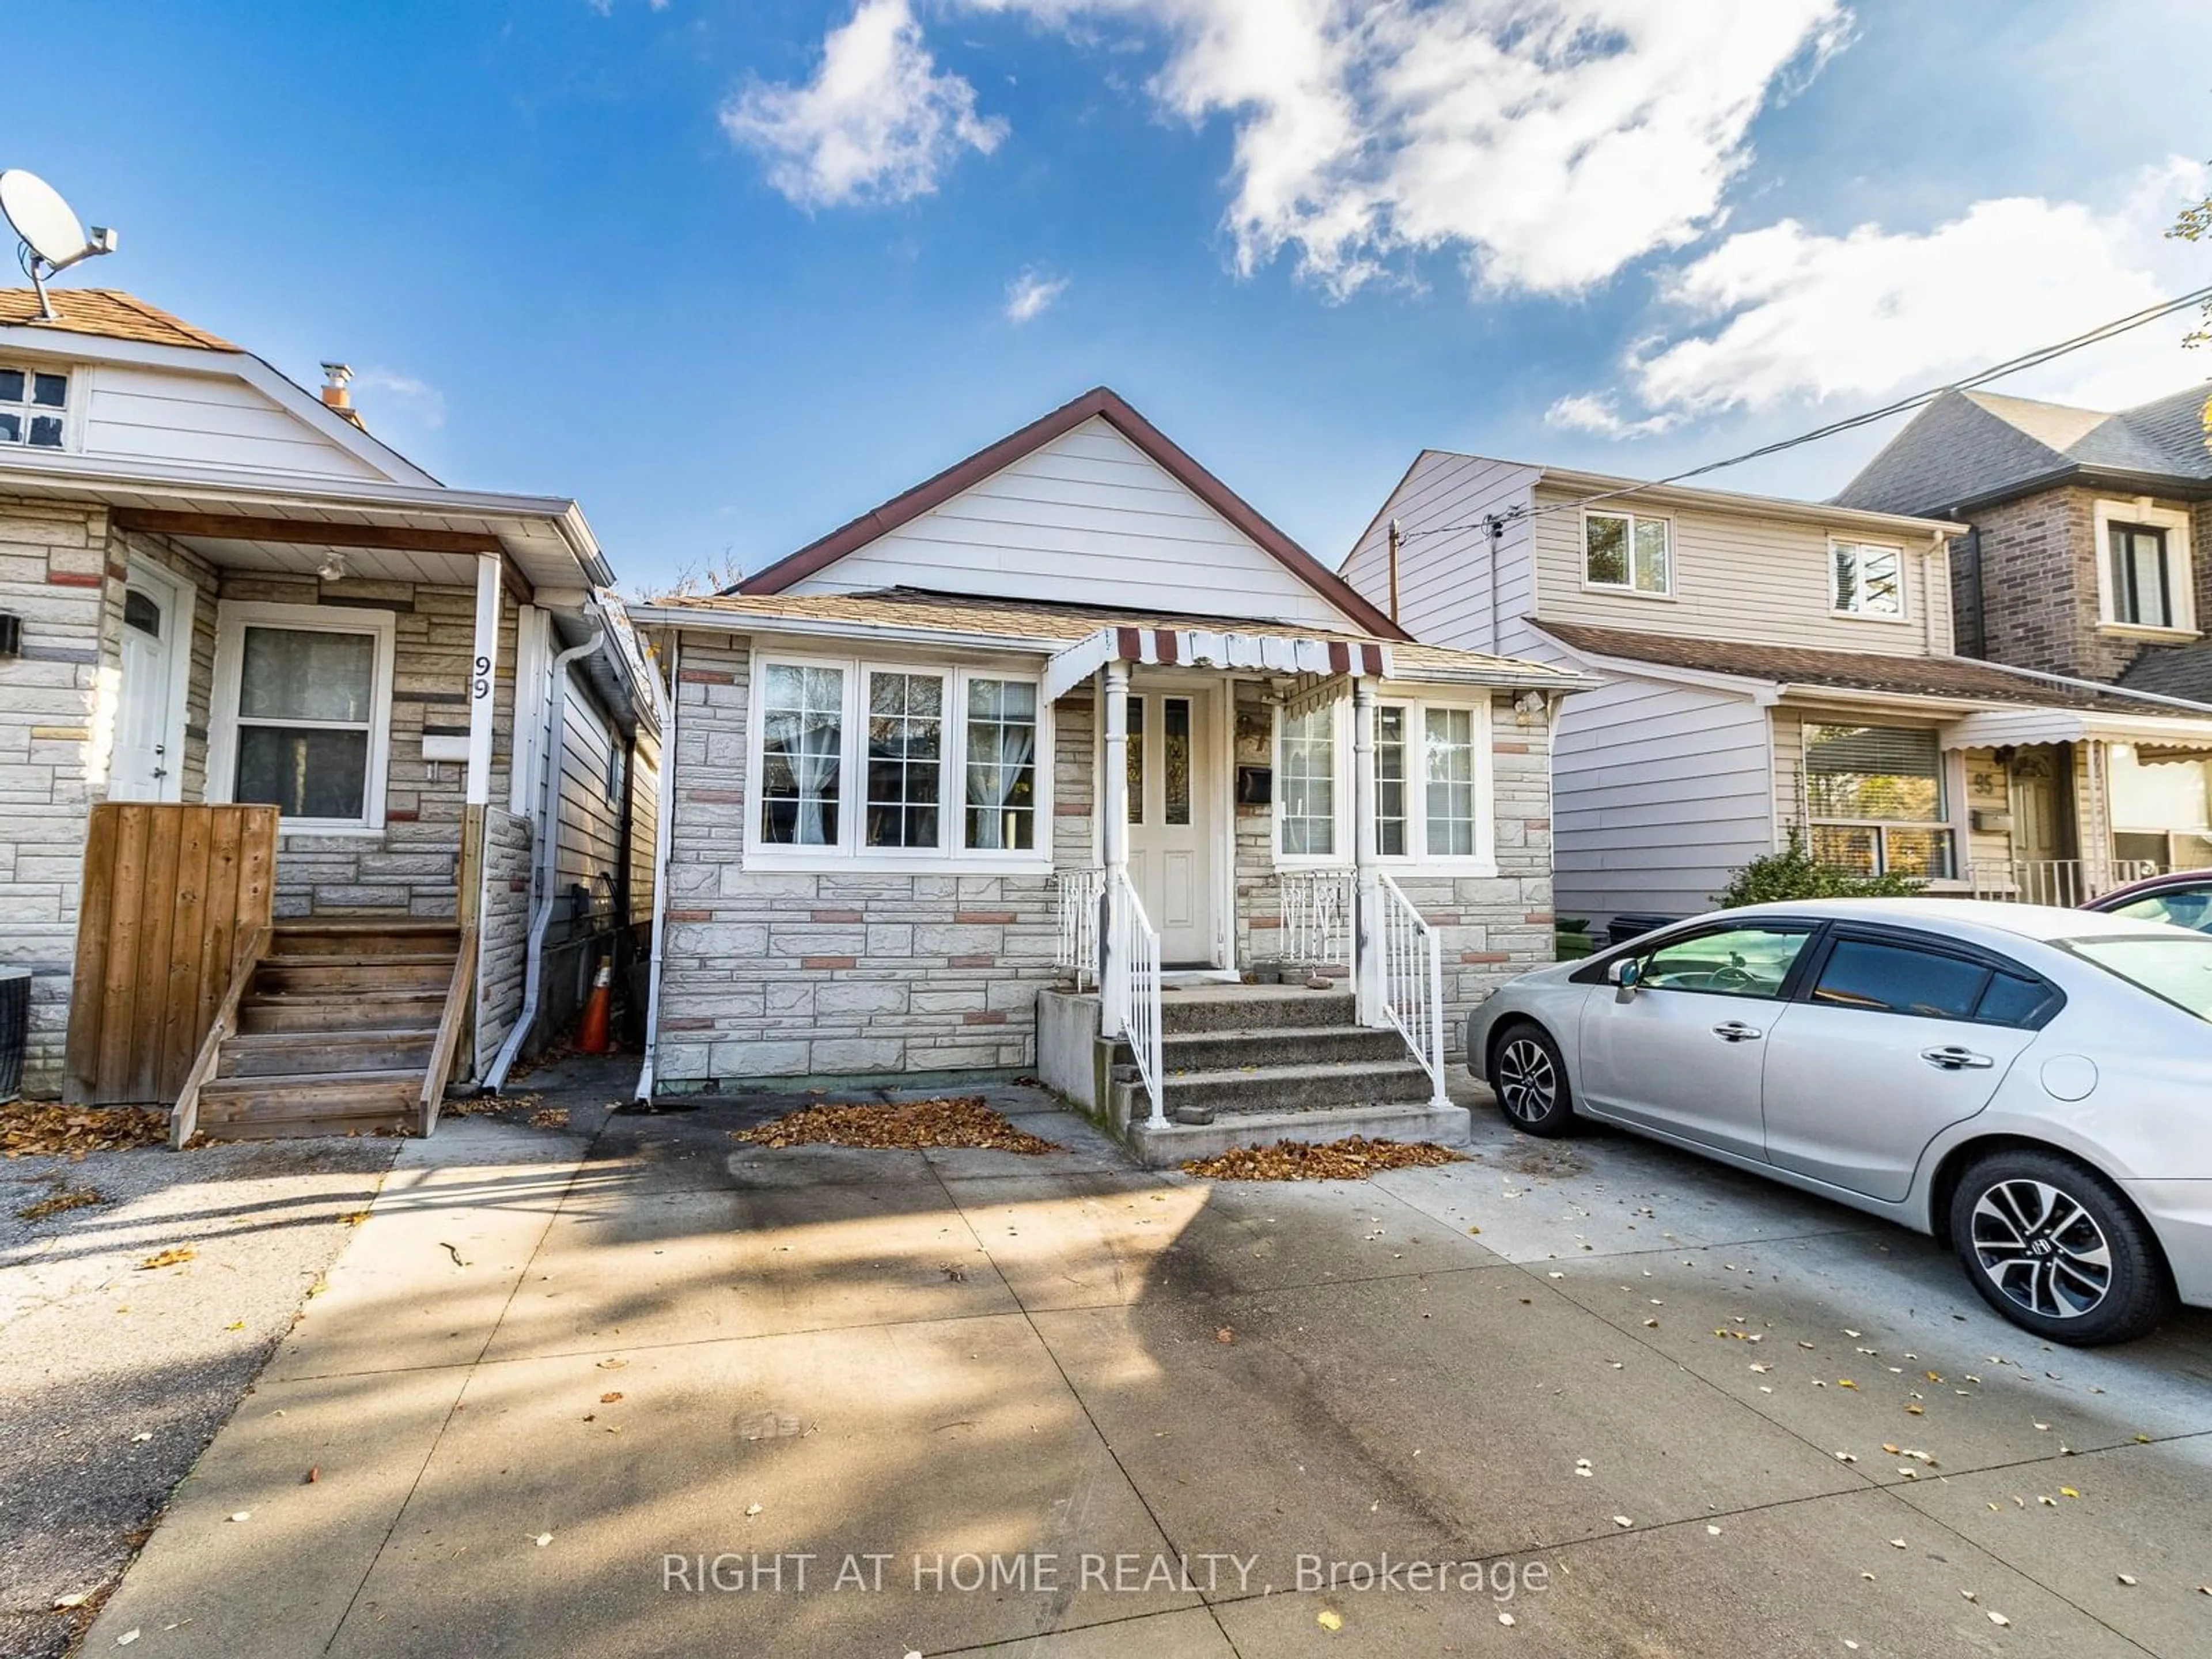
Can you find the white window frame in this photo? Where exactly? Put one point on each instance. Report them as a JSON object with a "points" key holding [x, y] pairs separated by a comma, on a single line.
{"points": [[1415, 859], [2181, 571], [849, 852], [1627, 588], [1858, 613], [233, 619], [72, 396], [1950, 792]]}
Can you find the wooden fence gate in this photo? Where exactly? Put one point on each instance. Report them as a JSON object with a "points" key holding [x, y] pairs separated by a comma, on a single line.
{"points": [[171, 893]]}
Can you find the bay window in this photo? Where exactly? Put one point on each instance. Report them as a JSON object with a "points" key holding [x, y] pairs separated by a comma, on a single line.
{"points": [[1431, 784], [943, 761], [1874, 798], [302, 713]]}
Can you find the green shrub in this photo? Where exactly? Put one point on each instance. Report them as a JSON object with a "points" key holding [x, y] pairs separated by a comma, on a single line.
{"points": [[1794, 874]]}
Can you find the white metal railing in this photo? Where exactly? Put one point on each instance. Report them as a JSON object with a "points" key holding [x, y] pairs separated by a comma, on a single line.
{"points": [[1134, 963], [1075, 909], [1411, 975], [1317, 917], [2066, 882]]}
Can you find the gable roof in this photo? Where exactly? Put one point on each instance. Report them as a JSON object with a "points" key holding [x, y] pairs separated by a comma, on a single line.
{"points": [[1100, 403], [108, 312], [1969, 447], [1892, 674]]}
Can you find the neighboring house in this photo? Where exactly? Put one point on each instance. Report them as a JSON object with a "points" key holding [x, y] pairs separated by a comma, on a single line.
{"points": [[1772, 666], [217, 589], [2082, 546], [903, 756]]}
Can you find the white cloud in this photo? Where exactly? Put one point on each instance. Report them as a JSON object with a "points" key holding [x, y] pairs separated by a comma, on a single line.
{"points": [[877, 122], [1587, 411], [1549, 142], [1786, 313], [427, 403], [1031, 294]]}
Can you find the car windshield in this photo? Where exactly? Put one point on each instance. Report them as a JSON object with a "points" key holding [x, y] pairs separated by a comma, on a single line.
{"points": [[2184, 907], [2175, 967]]}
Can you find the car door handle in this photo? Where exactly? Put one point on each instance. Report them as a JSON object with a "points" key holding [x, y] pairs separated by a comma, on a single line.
{"points": [[1736, 1031], [1953, 1058]]}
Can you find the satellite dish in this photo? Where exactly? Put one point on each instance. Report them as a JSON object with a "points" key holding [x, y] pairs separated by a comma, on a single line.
{"points": [[53, 239]]}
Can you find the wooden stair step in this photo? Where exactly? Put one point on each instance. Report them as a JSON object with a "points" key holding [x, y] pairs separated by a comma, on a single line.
{"points": [[362, 937], [364, 1011], [292, 1053], [389, 1099], [334, 975]]}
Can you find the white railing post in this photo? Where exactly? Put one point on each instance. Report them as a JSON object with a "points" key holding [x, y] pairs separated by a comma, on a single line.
{"points": [[1076, 894], [1366, 968], [1114, 839], [1411, 977], [1136, 958]]}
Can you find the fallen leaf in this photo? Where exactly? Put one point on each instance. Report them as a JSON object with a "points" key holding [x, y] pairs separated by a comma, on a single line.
{"points": [[1845, 1382], [314, 1474], [752, 1509], [2068, 1492], [543, 1540], [609, 1398], [1622, 1520], [168, 1258], [1897, 1543], [1712, 1531], [960, 1120], [1916, 1411], [1999, 1619], [63, 1603], [2127, 1578], [1506, 1619], [142, 1434], [612, 1365], [127, 1637], [242, 1515], [49, 1129], [1329, 1618], [1225, 1334]]}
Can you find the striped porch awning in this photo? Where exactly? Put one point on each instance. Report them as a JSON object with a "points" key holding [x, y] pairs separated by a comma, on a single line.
{"points": [[1202, 647]]}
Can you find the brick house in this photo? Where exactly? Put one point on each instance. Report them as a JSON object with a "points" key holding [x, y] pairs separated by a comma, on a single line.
{"points": [[1072, 715], [2085, 551], [225, 599]]}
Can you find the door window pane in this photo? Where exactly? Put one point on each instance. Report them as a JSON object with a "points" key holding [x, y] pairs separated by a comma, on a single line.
{"points": [[1175, 759], [1308, 769], [906, 767], [1001, 813], [1738, 962], [313, 772], [1134, 725], [307, 674], [1450, 751], [1390, 781], [1896, 979], [143, 612], [803, 723]]}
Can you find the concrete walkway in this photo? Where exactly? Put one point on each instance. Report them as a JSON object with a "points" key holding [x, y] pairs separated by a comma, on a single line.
{"points": [[599, 1394]]}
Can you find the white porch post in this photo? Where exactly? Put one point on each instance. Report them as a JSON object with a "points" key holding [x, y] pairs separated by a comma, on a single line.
{"points": [[484, 673], [1366, 957], [1114, 824]]}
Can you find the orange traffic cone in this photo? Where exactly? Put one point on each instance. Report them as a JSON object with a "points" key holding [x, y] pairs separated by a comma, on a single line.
{"points": [[596, 1038]]}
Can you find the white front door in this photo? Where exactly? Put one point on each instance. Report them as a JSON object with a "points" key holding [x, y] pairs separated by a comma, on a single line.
{"points": [[1173, 826], [145, 766]]}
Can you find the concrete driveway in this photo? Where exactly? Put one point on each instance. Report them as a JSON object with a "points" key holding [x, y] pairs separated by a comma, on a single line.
{"points": [[613, 1394]]}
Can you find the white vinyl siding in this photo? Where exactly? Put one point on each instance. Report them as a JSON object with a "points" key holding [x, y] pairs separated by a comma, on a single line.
{"points": [[590, 849], [131, 413], [1089, 518], [1444, 570], [1736, 577]]}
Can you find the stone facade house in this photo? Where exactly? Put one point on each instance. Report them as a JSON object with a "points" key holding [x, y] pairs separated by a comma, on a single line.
{"points": [[1072, 715], [1772, 668], [2080, 546], [219, 592]]}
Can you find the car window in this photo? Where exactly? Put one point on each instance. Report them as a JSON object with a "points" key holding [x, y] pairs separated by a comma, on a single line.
{"points": [[1897, 979], [2170, 966], [1739, 961], [2187, 907], [2013, 1000]]}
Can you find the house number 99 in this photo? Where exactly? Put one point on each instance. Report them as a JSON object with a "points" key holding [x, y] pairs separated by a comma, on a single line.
{"points": [[483, 677]]}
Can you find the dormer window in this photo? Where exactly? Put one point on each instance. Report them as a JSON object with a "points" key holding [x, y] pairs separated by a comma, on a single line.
{"points": [[1627, 552], [1867, 581], [34, 404]]}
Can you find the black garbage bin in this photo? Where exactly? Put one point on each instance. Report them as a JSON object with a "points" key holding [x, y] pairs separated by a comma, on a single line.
{"points": [[1631, 924], [15, 1028]]}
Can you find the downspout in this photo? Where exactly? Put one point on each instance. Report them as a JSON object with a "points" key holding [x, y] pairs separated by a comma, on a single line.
{"points": [[663, 834], [547, 851]]}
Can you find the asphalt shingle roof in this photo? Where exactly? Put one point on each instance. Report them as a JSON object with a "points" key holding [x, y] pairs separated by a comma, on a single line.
{"points": [[1966, 678], [1972, 446], [108, 312]]}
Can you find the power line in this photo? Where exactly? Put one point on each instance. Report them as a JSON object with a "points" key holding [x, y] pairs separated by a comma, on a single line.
{"points": [[2027, 360]]}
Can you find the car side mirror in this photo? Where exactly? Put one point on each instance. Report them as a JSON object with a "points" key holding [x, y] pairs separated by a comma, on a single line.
{"points": [[1625, 975]]}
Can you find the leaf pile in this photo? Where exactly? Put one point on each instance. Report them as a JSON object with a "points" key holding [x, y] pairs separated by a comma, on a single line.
{"points": [[63, 1199], [36, 1128], [957, 1120], [1354, 1158]]}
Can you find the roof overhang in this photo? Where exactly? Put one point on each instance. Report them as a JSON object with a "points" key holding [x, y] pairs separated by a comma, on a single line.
{"points": [[1995, 728], [2118, 480], [1764, 507]]}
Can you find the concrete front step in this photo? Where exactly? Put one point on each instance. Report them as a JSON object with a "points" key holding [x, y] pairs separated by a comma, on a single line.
{"points": [[1285, 1088], [1167, 1148], [1251, 1008], [1290, 1046]]}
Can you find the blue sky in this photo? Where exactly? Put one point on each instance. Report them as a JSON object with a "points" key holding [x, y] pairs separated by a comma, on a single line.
{"points": [[731, 272]]}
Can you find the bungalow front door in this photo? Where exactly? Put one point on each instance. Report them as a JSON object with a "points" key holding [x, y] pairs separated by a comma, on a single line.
{"points": [[1172, 827], [143, 766]]}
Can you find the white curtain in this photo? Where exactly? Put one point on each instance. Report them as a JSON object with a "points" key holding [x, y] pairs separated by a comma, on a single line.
{"points": [[991, 782]]}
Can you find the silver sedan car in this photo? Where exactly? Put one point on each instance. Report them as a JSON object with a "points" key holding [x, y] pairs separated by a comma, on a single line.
{"points": [[2033, 1083]]}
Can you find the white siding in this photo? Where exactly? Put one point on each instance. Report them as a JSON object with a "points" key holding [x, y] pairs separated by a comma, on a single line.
{"points": [[1444, 569], [137, 413], [1089, 518], [1660, 793], [1740, 577]]}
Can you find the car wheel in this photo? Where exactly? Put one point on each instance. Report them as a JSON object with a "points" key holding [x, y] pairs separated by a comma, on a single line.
{"points": [[2054, 1247], [1530, 1079]]}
